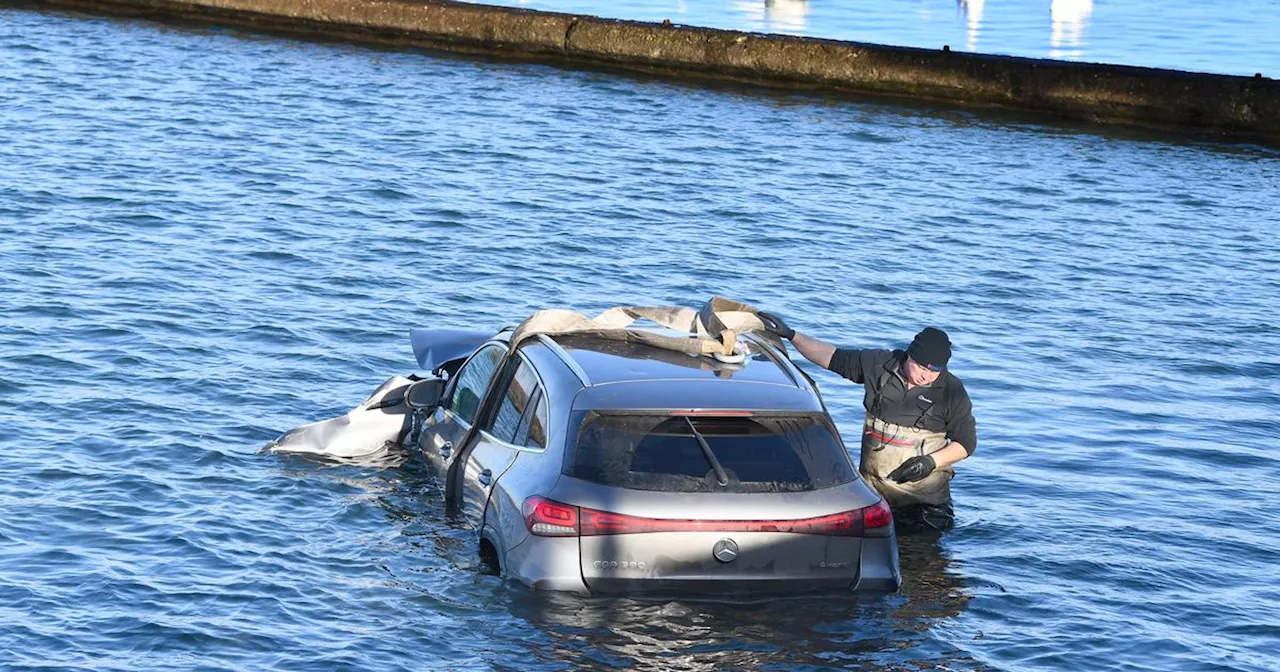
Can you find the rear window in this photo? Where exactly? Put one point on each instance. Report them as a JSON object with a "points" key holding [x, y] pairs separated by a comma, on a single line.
{"points": [[762, 453]]}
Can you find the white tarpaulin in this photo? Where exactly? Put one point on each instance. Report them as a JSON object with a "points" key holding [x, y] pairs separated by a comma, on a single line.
{"points": [[711, 330]]}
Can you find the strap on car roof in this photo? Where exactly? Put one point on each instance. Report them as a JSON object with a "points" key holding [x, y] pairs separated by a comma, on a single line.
{"points": [[712, 329]]}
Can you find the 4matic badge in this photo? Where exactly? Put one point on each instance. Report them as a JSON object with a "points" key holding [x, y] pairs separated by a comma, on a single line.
{"points": [[618, 564]]}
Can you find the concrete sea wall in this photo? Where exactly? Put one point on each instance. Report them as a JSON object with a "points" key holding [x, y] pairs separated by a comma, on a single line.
{"points": [[1222, 105]]}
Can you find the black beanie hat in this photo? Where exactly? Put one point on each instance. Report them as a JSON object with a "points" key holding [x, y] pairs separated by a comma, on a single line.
{"points": [[930, 348]]}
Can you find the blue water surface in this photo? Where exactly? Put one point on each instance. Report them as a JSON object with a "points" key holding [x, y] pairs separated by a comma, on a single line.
{"points": [[209, 236]]}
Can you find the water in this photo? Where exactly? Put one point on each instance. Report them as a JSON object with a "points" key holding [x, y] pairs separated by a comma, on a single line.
{"points": [[208, 237], [1235, 37]]}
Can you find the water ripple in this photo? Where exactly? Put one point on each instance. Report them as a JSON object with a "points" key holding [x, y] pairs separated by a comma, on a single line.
{"points": [[207, 237]]}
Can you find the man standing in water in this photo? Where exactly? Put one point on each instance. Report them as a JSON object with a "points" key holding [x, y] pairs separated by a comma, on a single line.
{"points": [[919, 419]]}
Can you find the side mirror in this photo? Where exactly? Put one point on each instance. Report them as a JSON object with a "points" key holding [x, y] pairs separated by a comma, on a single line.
{"points": [[424, 394]]}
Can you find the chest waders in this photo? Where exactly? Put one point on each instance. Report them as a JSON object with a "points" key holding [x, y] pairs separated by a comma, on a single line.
{"points": [[885, 446]]}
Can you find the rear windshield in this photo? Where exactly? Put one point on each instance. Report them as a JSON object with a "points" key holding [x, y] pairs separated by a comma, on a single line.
{"points": [[762, 453]]}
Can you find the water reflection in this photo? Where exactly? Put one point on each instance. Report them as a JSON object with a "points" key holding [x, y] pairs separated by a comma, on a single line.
{"points": [[776, 15], [972, 10], [932, 586], [1070, 17], [836, 631]]}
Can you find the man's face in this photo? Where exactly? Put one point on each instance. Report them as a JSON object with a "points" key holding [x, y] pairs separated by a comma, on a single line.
{"points": [[919, 374]]}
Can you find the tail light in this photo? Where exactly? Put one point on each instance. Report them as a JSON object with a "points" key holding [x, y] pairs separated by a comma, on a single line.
{"points": [[546, 518], [877, 515]]}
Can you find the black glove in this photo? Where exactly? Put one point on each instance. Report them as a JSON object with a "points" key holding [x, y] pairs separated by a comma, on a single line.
{"points": [[914, 469], [776, 326]]}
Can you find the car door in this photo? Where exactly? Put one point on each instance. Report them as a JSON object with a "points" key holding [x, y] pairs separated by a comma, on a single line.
{"points": [[448, 426], [494, 448]]}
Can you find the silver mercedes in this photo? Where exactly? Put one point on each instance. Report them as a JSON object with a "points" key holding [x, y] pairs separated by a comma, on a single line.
{"points": [[604, 467]]}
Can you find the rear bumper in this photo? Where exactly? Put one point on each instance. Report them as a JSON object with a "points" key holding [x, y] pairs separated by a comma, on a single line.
{"points": [[765, 563], [878, 566], [878, 572], [546, 563]]}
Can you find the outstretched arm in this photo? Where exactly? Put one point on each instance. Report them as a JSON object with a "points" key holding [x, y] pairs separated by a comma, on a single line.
{"points": [[814, 350], [817, 351]]}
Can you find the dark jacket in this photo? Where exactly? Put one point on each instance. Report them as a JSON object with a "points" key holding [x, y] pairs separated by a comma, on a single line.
{"points": [[943, 406]]}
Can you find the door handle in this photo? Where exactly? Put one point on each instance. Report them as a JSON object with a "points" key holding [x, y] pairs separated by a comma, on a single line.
{"points": [[486, 477], [446, 450]]}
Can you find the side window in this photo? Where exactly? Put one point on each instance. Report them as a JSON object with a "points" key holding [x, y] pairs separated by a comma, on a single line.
{"points": [[533, 431], [506, 424], [538, 426], [473, 380]]}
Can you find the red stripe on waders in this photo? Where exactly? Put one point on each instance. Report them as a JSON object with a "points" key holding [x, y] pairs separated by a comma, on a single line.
{"points": [[885, 439]]}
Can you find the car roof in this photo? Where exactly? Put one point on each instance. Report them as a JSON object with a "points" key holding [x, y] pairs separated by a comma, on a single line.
{"points": [[606, 361], [619, 375]]}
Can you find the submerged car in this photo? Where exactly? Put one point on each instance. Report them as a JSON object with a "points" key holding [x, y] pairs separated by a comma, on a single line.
{"points": [[606, 466]]}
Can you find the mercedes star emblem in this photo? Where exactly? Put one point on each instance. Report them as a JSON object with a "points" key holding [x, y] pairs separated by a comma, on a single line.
{"points": [[725, 550]]}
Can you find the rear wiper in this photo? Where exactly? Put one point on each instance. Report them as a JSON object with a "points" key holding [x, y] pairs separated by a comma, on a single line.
{"points": [[721, 477]]}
